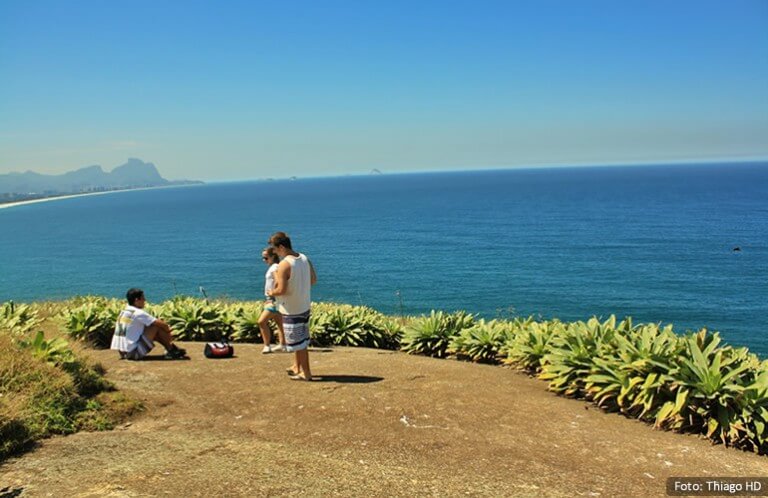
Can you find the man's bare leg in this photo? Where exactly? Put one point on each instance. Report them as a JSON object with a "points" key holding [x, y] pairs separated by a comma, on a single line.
{"points": [[159, 334], [302, 361]]}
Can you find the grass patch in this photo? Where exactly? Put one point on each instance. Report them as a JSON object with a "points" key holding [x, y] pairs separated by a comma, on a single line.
{"points": [[42, 394]]}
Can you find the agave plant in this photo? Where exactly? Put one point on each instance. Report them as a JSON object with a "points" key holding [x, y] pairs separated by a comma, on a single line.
{"points": [[634, 376], [93, 321], [391, 333], [55, 351], [753, 424], [18, 319], [571, 358], [483, 341], [711, 379], [246, 327], [195, 320], [344, 328], [431, 335], [531, 343]]}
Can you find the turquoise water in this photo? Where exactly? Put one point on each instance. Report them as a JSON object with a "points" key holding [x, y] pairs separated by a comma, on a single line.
{"points": [[653, 242]]}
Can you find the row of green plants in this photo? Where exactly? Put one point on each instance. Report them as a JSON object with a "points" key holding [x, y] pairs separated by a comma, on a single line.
{"points": [[92, 320], [46, 387], [691, 382]]}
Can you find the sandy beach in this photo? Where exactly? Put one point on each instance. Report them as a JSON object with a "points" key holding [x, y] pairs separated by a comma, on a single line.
{"points": [[84, 194]]}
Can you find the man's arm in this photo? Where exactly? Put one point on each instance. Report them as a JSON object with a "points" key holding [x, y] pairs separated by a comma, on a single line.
{"points": [[312, 274], [281, 279]]}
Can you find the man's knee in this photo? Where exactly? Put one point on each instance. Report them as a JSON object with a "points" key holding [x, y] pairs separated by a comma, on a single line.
{"points": [[152, 332]]}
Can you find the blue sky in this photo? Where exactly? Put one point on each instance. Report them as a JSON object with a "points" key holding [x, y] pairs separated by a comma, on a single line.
{"points": [[243, 90]]}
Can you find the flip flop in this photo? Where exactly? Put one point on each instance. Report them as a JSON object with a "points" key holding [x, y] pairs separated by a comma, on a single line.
{"points": [[301, 378]]}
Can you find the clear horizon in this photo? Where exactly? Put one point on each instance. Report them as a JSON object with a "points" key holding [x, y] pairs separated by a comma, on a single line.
{"points": [[247, 90]]}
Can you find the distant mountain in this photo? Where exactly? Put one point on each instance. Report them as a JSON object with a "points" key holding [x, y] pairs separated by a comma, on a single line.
{"points": [[133, 174]]}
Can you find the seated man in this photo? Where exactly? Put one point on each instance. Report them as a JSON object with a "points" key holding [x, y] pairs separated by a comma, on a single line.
{"points": [[136, 330]]}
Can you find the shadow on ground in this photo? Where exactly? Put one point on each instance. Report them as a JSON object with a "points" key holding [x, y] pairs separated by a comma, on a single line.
{"points": [[347, 379], [10, 492]]}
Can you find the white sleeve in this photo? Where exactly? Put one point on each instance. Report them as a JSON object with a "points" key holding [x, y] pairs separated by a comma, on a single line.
{"points": [[144, 318]]}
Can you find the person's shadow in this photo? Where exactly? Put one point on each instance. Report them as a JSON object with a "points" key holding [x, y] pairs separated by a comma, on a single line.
{"points": [[8, 492], [347, 379]]}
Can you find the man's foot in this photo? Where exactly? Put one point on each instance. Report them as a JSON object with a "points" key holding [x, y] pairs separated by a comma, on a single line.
{"points": [[300, 377], [291, 371], [176, 354], [277, 347], [267, 349]]}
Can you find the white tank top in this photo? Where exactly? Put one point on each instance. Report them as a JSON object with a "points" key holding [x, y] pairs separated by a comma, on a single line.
{"points": [[297, 299]]}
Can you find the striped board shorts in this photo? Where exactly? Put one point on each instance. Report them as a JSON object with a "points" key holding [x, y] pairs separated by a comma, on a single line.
{"points": [[143, 347], [296, 328]]}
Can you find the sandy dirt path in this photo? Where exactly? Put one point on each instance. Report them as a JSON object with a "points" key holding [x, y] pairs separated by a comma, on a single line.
{"points": [[375, 423]]}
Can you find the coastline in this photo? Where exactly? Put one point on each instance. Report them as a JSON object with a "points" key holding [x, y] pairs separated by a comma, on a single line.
{"points": [[84, 194]]}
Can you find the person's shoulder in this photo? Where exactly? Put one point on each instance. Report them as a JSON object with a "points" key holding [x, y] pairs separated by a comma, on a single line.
{"points": [[141, 311]]}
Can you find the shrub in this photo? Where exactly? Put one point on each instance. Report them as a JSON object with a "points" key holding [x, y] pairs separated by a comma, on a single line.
{"points": [[569, 361], [246, 323], [195, 320], [531, 343], [18, 319], [46, 389], [483, 341], [635, 377], [92, 320], [432, 335], [344, 325]]}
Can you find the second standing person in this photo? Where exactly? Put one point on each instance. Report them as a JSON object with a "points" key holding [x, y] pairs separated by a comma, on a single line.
{"points": [[270, 312]]}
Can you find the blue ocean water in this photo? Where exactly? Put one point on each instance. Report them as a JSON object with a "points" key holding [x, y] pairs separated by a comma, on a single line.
{"points": [[653, 242]]}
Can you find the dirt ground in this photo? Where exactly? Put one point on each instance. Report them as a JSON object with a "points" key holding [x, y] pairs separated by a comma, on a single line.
{"points": [[374, 423]]}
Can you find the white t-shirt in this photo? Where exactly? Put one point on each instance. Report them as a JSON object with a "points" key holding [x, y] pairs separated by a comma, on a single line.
{"points": [[269, 278], [130, 324]]}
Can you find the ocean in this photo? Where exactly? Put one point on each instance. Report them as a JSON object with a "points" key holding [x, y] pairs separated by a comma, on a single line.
{"points": [[657, 243]]}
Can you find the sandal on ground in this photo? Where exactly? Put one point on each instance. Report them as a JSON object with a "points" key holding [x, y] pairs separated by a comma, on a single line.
{"points": [[300, 377]]}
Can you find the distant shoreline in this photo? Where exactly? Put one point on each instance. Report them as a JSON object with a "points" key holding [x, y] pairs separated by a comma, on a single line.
{"points": [[11, 204]]}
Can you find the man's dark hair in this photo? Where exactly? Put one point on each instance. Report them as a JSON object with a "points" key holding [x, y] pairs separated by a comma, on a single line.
{"points": [[280, 239], [133, 294]]}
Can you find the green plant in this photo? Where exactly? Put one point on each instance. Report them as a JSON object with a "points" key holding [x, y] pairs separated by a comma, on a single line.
{"points": [[55, 351], [45, 388], [196, 320], [570, 360], [18, 319], [531, 343], [431, 335], [246, 322], [92, 320], [634, 377], [344, 325], [711, 380], [483, 341]]}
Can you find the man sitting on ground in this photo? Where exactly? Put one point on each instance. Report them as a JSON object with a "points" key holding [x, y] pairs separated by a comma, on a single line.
{"points": [[136, 330]]}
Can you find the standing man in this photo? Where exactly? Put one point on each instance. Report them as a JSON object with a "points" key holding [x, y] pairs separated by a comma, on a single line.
{"points": [[136, 330], [294, 280]]}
